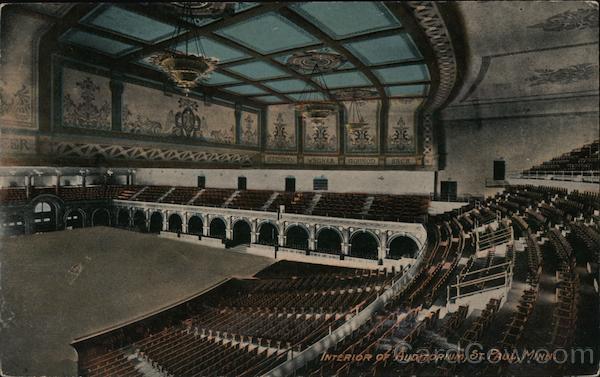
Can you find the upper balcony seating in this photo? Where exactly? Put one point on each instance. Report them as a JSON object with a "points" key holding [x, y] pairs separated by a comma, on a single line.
{"points": [[294, 202], [405, 208], [152, 193], [181, 195], [15, 196], [584, 159], [340, 205], [250, 199], [212, 197]]}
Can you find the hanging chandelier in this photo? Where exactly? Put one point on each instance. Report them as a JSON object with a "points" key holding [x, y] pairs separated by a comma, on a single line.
{"points": [[356, 98], [311, 104], [186, 69]]}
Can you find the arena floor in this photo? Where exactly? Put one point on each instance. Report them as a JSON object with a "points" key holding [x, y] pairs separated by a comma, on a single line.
{"points": [[58, 286]]}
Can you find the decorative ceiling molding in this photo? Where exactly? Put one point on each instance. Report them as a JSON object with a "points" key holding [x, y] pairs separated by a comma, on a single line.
{"points": [[430, 20]]}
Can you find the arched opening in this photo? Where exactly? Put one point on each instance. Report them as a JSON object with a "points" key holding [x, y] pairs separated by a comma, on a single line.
{"points": [[296, 238], [156, 222], [44, 217], [13, 225], [402, 247], [123, 218], [241, 233], [74, 219], [175, 223], [139, 222], [101, 217], [329, 241], [364, 245], [195, 225], [268, 234], [217, 228]]}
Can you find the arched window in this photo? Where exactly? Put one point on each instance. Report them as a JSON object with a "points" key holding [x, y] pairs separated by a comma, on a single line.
{"points": [[42, 207], [44, 217]]}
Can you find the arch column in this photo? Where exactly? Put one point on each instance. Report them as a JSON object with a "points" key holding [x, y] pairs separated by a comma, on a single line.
{"points": [[184, 223], [281, 234], [312, 241], [383, 249], [205, 225], [147, 220], [345, 241], [131, 211], [228, 228], [165, 222], [253, 230]]}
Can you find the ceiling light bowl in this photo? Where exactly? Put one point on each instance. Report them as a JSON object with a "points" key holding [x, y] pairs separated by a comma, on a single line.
{"points": [[318, 110], [185, 70]]}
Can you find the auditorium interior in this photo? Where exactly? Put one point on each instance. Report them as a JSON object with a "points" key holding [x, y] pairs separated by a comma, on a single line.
{"points": [[353, 188]]}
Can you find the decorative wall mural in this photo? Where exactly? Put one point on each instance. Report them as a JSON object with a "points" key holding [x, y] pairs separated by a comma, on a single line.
{"points": [[582, 18], [18, 82], [402, 125], [186, 122], [17, 104], [139, 125], [321, 137], [86, 101], [249, 128], [364, 139], [563, 76], [281, 128], [181, 117]]}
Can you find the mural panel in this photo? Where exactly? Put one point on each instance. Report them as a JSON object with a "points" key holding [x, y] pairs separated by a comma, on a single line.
{"points": [[281, 128], [152, 112], [366, 138], [86, 100], [402, 125], [249, 133], [321, 137], [17, 79]]}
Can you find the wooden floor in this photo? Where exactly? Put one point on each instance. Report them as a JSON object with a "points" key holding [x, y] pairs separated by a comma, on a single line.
{"points": [[58, 286]]}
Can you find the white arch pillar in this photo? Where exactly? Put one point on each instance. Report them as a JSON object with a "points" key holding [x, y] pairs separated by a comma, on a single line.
{"points": [[312, 241], [382, 252], [228, 228], [253, 230], [205, 225], [165, 223], [184, 223], [345, 241]]}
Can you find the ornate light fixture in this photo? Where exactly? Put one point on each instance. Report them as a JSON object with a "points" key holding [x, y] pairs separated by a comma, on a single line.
{"points": [[311, 104], [186, 69], [356, 96]]}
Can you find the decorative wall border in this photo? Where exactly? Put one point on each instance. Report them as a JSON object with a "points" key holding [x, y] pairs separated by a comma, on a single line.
{"points": [[111, 151], [432, 23]]}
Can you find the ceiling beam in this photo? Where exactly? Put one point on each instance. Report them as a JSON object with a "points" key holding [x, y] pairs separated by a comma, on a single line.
{"points": [[135, 70], [193, 30], [108, 34], [284, 67], [248, 81], [207, 31], [315, 31]]}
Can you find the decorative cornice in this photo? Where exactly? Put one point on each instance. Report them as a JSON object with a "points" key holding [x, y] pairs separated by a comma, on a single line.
{"points": [[430, 20], [111, 151]]}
